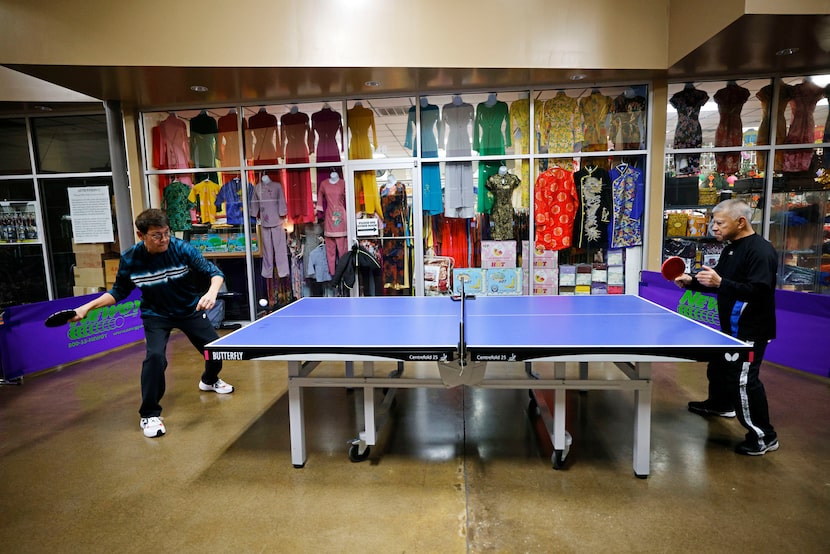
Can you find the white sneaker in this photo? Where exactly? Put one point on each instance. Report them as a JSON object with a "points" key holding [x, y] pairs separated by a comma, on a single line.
{"points": [[152, 426], [219, 387]]}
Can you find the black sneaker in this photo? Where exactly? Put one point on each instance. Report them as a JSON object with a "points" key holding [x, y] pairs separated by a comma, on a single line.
{"points": [[703, 408], [751, 448]]}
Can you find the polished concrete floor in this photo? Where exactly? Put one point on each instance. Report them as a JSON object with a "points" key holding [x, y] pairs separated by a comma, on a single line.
{"points": [[460, 470]]}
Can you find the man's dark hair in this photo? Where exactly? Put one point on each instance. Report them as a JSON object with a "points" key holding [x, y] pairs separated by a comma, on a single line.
{"points": [[151, 218]]}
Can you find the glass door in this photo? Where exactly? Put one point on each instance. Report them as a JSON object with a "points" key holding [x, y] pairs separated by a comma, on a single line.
{"points": [[380, 203]]}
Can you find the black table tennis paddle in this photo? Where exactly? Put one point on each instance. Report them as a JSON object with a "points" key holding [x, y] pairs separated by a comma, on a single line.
{"points": [[60, 318]]}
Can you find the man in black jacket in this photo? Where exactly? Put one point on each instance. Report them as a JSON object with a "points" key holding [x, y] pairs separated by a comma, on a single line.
{"points": [[744, 280]]}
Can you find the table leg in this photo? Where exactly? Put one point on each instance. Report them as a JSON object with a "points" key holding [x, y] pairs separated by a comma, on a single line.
{"points": [[295, 416], [370, 431], [642, 422], [560, 446]]}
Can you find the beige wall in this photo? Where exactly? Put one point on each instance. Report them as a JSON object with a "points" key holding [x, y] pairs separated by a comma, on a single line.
{"points": [[788, 7], [313, 33]]}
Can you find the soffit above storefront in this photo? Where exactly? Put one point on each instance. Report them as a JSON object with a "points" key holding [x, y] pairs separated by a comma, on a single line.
{"points": [[746, 47], [170, 87]]}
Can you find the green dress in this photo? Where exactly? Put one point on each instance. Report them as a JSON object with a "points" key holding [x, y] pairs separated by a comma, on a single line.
{"points": [[491, 134]]}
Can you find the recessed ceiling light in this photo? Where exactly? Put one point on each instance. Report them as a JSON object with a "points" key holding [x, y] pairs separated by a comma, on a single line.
{"points": [[577, 77], [372, 83], [786, 52], [199, 88]]}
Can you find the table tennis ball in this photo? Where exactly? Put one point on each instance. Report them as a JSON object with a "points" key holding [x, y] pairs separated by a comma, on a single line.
{"points": [[263, 302]]}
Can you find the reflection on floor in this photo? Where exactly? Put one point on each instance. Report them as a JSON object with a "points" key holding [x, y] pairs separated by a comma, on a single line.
{"points": [[459, 470]]}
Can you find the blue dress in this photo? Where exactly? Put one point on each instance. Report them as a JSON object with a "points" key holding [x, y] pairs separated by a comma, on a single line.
{"points": [[432, 131]]}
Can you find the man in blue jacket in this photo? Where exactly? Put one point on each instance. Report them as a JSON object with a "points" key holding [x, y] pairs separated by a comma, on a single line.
{"points": [[168, 272], [744, 280]]}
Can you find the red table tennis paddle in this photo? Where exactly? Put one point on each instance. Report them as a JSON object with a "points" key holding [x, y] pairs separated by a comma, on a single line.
{"points": [[60, 318], [673, 267]]}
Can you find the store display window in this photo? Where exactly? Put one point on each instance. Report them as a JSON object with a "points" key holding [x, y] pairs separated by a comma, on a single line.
{"points": [[425, 187], [743, 139]]}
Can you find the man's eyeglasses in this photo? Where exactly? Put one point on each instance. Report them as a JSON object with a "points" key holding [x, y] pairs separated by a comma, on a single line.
{"points": [[158, 237]]}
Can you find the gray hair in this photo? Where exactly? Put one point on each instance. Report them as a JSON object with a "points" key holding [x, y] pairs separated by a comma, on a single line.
{"points": [[735, 209]]}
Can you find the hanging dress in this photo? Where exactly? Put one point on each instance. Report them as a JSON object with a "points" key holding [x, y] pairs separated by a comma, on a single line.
{"points": [[360, 121], [459, 192], [432, 133], [730, 101], [491, 134]]}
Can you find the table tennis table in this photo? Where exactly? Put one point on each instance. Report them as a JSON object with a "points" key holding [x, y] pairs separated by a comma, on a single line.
{"points": [[463, 336]]}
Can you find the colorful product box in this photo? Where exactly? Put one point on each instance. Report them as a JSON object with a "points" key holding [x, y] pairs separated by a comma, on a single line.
{"points": [[567, 276], [541, 258], [616, 289], [498, 254], [599, 288], [474, 283], [582, 290], [599, 273], [616, 275], [545, 281], [614, 257], [583, 274], [503, 282], [567, 290]]}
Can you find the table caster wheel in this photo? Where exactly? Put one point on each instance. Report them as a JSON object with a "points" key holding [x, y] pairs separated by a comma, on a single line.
{"points": [[558, 459], [355, 454]]}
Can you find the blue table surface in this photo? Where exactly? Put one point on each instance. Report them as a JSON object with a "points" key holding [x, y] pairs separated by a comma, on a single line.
{"points": [[612, 322]]}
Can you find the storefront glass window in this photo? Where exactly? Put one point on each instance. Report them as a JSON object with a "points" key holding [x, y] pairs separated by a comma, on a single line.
{"points": [[14, 152], [71, 144], [76, 268], [753, 136]]}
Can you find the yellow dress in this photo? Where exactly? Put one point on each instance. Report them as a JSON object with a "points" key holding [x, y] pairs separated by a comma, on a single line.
{"points": [[595, 110], [561, 124], [360, 121], [520, 123]]}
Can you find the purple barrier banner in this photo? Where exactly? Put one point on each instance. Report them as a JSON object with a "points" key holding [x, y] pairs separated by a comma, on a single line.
{"points": [[802, 321], [28, 346]]}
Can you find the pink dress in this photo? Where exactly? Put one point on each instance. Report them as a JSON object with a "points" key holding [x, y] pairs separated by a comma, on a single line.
{"points": [[730, 100], [803, 102]]}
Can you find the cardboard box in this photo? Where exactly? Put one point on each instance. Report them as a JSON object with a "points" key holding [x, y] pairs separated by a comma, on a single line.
{"points": [[614, 257], [498, 254], [544, 276], [81, 291], [567, 276], [541, 257], [599, 273], [91, 248], [583, 274], [503, 282], [474, 284], [599, 288], [616, 289], [87, 259], [111, 269], [567, 290], [545, 282], [89, 276], [582, 290], [616, 275]]}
